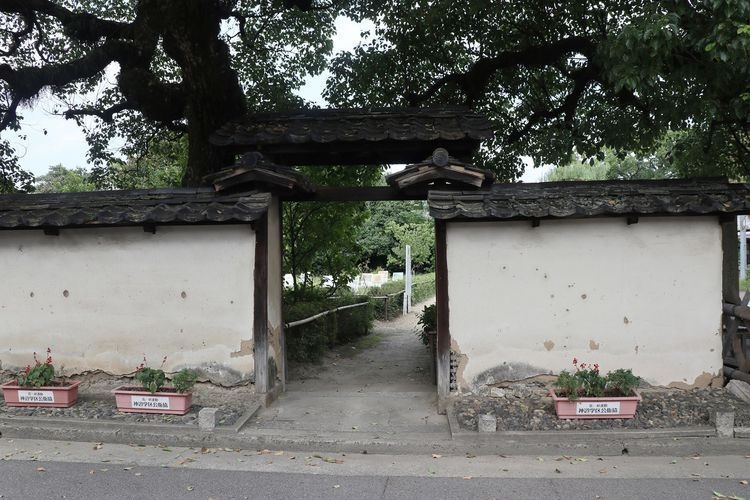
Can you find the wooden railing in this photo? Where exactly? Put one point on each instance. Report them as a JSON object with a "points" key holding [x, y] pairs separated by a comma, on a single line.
{"points": [[292, 324], [387, 298]]}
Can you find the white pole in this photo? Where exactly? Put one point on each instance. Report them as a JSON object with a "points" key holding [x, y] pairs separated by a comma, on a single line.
{"points": [[407, 280], [742, 222]]}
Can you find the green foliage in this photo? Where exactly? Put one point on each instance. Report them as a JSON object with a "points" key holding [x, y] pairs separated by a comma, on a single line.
{"points": [[308, 342], [40, 375], [422, 288], [13, 178], [669, 160], [151, 379], [557, 77], [184, 67], [587, 382], [320, 237], [622, 381], [63, 180], [420, 236], [554, 77], [184, 380], [377, 240], [162, 166], [428, 322]]}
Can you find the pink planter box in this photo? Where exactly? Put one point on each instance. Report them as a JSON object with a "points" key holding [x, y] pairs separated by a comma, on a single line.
{"points": [[606, 407], [134, 399], [56, 396]]}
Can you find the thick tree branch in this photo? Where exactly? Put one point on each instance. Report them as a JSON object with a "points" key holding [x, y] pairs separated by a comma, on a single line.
{"points": [[107, 115], [79, 25], [28, 20], [474, 81], [567, 109], [26, 82]]}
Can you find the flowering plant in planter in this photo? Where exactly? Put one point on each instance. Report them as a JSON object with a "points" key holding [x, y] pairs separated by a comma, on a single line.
{"points": [[47, 391], [585, 393], [152, 396], [42, 374], [587, 382]]}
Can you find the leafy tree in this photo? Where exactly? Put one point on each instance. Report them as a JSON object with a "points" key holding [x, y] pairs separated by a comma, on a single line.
{"points": [[420, 236], [320, 237], [553, 76], [12, 177], [63, 180], [375, 236], [162, 166], [144, 69], [561, 76]]}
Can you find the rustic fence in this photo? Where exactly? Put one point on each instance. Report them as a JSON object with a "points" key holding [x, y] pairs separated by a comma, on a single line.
{"points": [[308, 338], [736, 338]]}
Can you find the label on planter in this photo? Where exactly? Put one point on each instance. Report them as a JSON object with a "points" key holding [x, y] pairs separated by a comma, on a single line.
{"points": [[36, 397], [149, 402], [598, 408]]}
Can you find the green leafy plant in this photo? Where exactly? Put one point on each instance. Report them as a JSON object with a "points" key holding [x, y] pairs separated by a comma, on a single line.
{"points": [[587, 382], [40, 375], [184, 380], [153, 379], [428, 321]]}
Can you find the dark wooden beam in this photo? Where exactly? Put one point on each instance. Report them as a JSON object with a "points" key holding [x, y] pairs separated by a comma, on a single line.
{"points": [[260, 307], [443, 316], [355, 193], [360, 152], [730, 262]]}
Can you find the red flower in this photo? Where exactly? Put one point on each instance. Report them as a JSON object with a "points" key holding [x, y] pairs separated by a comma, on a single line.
{"points": [[575, 361]]}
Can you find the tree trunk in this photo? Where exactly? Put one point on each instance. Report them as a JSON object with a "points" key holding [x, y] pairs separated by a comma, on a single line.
{"points": [[212, 90]]}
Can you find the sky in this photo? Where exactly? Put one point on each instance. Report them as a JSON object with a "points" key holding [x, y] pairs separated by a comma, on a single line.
{"points": [[51, 139]]}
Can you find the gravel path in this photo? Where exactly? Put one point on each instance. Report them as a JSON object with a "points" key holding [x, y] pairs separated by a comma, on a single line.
{"points": [[106, 410], [528, 407]]}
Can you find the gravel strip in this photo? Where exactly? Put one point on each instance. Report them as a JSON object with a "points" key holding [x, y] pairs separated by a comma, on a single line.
{"points": [[106, 410], [528, 407]]}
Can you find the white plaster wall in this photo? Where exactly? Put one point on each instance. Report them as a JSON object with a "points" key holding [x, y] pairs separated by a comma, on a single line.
{"points": [[525, 301], [101, 298]]}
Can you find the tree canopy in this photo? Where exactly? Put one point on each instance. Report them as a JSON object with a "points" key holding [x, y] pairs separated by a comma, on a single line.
{"points": [[562, 76], [554, 77]]}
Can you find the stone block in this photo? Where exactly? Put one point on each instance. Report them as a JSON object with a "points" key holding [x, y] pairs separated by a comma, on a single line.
{"points": [[208, 418], [487, 423], [496, 392], [724, 421], [740, 388]]}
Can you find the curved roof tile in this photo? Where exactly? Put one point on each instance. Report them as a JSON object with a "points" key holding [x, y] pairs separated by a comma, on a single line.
{"points": [[591, 199]]}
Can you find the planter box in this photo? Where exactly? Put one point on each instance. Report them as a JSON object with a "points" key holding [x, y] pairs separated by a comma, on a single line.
{"points": [[55, 396], [133, 399], [606, 407]]}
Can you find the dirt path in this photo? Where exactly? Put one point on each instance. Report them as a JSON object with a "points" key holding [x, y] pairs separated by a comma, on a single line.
{"points": [[391, 358], [380, 384]]}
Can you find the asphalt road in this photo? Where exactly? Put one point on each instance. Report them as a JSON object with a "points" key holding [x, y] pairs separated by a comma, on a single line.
{"points": [[36, 479]]}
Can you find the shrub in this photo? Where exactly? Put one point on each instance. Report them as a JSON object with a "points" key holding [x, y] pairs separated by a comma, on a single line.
{"points": [[428, 322], [308, 342], [423, 288]]}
